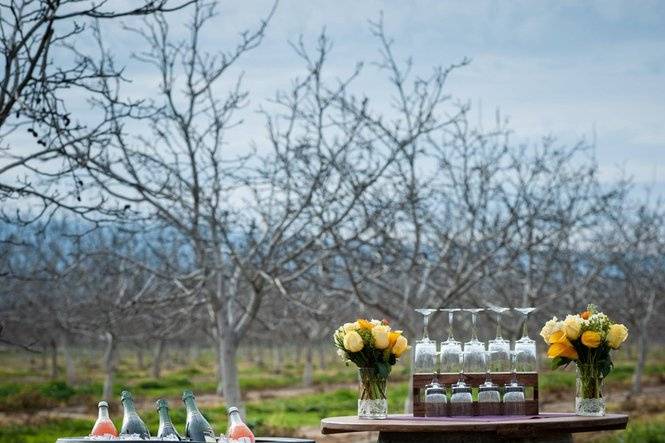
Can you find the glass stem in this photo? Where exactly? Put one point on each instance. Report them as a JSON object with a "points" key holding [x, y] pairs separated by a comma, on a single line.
{"points": [[426, 323], [525, 333], [498, 326], [450, 325], [474, 333]]}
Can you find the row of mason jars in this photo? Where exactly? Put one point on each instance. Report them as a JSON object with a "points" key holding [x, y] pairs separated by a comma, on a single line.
{"points": [[461, 402]]}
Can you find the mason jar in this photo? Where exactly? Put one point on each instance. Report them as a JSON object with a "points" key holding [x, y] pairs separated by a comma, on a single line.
{"points": [[461, 402], [489, 400], [435, 401], [513, 400]]}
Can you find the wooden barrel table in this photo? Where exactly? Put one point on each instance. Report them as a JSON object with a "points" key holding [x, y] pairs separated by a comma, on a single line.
{"points": [[545, 428]]}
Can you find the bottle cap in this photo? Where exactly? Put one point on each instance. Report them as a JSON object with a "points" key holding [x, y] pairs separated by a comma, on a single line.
{"points": [[126, 395], [232, 409], [102, 404], [485, 388], [461, 389], [161, 403], [431, 391], [187, 394]]}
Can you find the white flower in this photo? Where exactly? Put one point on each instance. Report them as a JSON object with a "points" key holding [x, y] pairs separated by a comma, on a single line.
{"points": [[348, 327], [550, 327], [572, 326]]}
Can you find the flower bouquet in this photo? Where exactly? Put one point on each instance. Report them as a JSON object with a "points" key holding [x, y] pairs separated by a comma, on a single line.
{"points": [[587, 340], [374, 348]]}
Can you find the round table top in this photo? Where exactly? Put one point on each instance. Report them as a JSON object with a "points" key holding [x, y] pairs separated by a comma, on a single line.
{"points": [[156, 440], [546, 422]]}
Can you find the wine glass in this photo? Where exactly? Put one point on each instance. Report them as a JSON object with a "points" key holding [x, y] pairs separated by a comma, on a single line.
{"points": [[474, 349], [499, 348], [525, 347], [425, 351], [451, 349]]}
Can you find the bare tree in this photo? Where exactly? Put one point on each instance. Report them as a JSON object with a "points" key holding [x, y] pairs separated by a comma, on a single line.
{"points": [[633, 249], [42, 69], [319, 159]]}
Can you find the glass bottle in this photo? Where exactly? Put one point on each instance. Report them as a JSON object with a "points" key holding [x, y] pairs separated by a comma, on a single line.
{"points": [[513, 400], [103, 426], [131, 422], [435, 400], [197, 427], [166, 428], [237, 428]]}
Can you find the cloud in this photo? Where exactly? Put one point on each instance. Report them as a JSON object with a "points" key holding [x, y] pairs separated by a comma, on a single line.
{"points": [[560, 68]]}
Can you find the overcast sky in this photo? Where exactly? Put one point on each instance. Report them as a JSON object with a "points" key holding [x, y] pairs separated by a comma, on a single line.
{"points": [[562, 68]]}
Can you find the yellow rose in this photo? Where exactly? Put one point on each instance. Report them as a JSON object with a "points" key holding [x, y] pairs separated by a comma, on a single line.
{"points": [[617, 335], [401, 345], [381, 335], [353, 342], [562, 349], [365, 324], [549, 328], [591, 339], [573, 326], [348, 327], [558, 337], [392, 338]]}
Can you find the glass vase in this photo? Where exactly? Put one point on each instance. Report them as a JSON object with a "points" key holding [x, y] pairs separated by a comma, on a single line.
{"points": [[372, 401], [589, 400]]}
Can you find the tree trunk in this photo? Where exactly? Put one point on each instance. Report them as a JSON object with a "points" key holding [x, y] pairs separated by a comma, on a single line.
{"points": [[70, 366], [277, 358], [220, 375], [254, 354], [228, 349], [260, 358], [54, 359], [642, 350], [157, 362], [308, 372], [193, 354], [140, 358], [109, 365], [298, 354], [43, 366], [322, 357], [643, 344]]}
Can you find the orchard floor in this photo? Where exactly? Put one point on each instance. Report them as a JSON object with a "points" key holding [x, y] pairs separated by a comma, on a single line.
{"points": [[35, 409]]}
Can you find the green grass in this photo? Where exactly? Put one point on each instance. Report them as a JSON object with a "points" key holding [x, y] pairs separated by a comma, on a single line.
{"points": [[556, 381], [23, 389], [44, 433], [652, 432]]}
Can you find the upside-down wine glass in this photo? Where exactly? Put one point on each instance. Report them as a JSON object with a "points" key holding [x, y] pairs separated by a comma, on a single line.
{"points": [[474, 349], [425, 352], [499, 348], [525, 347], [451, 349]]}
